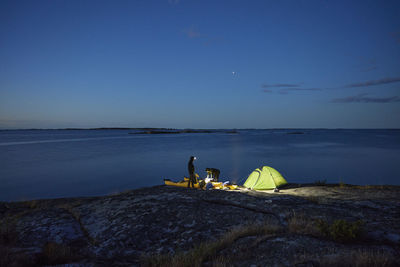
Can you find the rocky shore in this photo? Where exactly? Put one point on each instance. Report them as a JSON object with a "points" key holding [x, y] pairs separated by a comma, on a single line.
{"points": [[302, 225]]}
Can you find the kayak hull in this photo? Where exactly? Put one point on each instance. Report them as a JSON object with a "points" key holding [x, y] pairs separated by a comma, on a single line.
{"points": [[184, 183], [180, 183]]}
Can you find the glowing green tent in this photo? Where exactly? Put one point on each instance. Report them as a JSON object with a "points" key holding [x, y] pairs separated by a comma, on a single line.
{"points": [[264, 178]]}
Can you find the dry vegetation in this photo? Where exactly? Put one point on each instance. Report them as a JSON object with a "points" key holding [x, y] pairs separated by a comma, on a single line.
{"points": [[300, 223], [53, 254], [8, 232], [359, 258], [208, 250], [341, 231], [8, 238]]}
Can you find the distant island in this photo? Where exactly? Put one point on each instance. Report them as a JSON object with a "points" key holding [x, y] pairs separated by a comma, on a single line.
{"points": [[295, 133], [143, 129], [175, 131]]}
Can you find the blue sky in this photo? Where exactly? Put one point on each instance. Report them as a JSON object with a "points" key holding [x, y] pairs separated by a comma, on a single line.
{"points": [[200, 64]]}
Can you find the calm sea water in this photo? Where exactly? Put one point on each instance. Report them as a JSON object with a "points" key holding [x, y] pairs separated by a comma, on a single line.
{"points": [[63, 163]]}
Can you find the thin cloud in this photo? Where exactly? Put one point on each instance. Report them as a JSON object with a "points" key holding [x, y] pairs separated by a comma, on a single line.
{"points": [[374, 82], [285, 90], [279, 85], [267, 91], [206, 40], [371, 68], [364, 98], [192, 33]]}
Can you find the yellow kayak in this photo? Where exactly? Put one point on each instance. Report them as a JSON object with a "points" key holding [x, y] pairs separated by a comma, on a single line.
{"points": [[184, 183], [180, 183]]}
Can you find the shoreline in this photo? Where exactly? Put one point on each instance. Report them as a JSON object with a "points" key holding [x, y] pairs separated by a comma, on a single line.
{"points": [[290, 189]]}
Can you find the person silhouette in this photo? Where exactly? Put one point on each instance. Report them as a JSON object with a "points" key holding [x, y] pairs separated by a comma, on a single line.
{"points": [[192, 177]]}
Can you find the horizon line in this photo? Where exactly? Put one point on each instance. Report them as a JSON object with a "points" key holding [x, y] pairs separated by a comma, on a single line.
{"points": [[165, 128]]}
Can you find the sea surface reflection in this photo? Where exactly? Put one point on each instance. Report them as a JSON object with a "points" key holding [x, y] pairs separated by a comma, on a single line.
{"points": [[64, 163]]}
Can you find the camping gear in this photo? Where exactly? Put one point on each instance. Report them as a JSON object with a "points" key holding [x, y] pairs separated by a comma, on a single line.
{"points": [[213, 174], [209, 186], [264, 178], [184, 183]]}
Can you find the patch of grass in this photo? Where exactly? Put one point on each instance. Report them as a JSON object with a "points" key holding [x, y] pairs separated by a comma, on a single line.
{"points": [[221, 261], [8, 232], [313, 199], [53, 253], [8, 239], [33, 204], [36, 204], [208, 250], [341, 184], [371, 187], [8, 258], [320, 182], [317, 199], [340, 230], [367, 186], [302, 224], [360, 258]]}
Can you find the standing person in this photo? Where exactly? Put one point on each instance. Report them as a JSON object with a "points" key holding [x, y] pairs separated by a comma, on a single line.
{"points": [[192, 177]]}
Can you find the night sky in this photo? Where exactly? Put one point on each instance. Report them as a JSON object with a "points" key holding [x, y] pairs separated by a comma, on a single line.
{"points": [[200, 64]]}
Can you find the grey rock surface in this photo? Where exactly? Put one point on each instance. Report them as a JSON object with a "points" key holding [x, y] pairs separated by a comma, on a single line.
{"points": [[120, 229]]}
